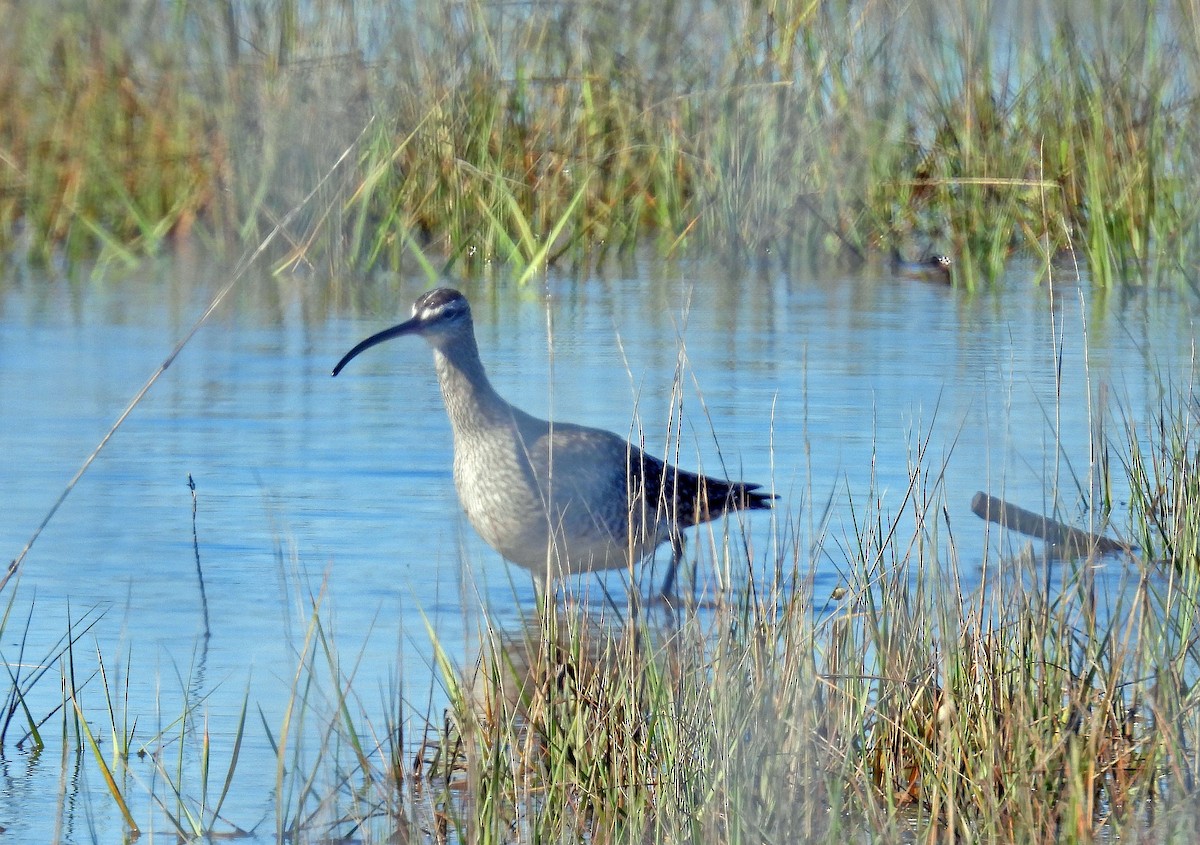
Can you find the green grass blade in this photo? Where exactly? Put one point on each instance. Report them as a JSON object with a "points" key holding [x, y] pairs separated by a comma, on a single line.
{"points": [[234, 755], [105, 771], [538, 259]]}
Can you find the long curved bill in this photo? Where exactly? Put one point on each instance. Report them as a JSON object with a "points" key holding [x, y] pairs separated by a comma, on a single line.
{"points": [[407, 327]]}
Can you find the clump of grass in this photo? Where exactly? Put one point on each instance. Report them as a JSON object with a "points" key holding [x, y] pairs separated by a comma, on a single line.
{"points": [[97, 152], [1162, 462], [910, 707], [569, 133]]}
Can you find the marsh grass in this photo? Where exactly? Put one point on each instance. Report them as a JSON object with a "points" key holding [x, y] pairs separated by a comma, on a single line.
{"points": [[563, 132], [1162, 463], [908, 707], [1013, 699]]}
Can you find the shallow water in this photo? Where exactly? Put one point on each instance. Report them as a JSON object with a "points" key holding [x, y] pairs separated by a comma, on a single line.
{"points": [[339, 490]]}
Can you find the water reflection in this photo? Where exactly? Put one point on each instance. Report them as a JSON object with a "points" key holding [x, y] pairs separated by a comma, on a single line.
{"points": [[339, 493]]}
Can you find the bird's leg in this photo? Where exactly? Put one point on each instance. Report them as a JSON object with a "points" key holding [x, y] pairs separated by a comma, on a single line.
{"points": [[668, 588]]}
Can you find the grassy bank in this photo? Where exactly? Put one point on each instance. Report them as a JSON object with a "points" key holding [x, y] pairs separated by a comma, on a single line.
{"points": [[488, 132]]}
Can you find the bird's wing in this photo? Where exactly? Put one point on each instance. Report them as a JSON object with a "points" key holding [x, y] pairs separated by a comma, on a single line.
{"points": [[604, 472], [589, 462]]}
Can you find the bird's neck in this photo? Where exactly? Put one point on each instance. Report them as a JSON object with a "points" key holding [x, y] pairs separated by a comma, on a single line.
{"points": [[471, 401]]}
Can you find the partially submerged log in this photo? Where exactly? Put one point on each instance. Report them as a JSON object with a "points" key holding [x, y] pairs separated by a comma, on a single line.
{"points": [[1067, 541]]}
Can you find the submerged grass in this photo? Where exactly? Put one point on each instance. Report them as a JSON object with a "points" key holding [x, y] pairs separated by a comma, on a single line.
{"points": [[561, 131]]}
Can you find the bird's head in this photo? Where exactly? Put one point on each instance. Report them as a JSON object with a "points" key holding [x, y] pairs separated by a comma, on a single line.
{"points": [[440, 316]]}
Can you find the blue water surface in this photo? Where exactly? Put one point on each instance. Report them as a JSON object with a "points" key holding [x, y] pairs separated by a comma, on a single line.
{"points": [[332, 499]]}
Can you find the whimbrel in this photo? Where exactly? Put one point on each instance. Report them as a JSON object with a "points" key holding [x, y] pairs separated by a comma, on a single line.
{"points": [[554, 497]]}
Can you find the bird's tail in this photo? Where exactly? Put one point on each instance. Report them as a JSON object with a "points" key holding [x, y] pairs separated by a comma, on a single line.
{"points": [[736, 495], [687, 498], [711, 497]]}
